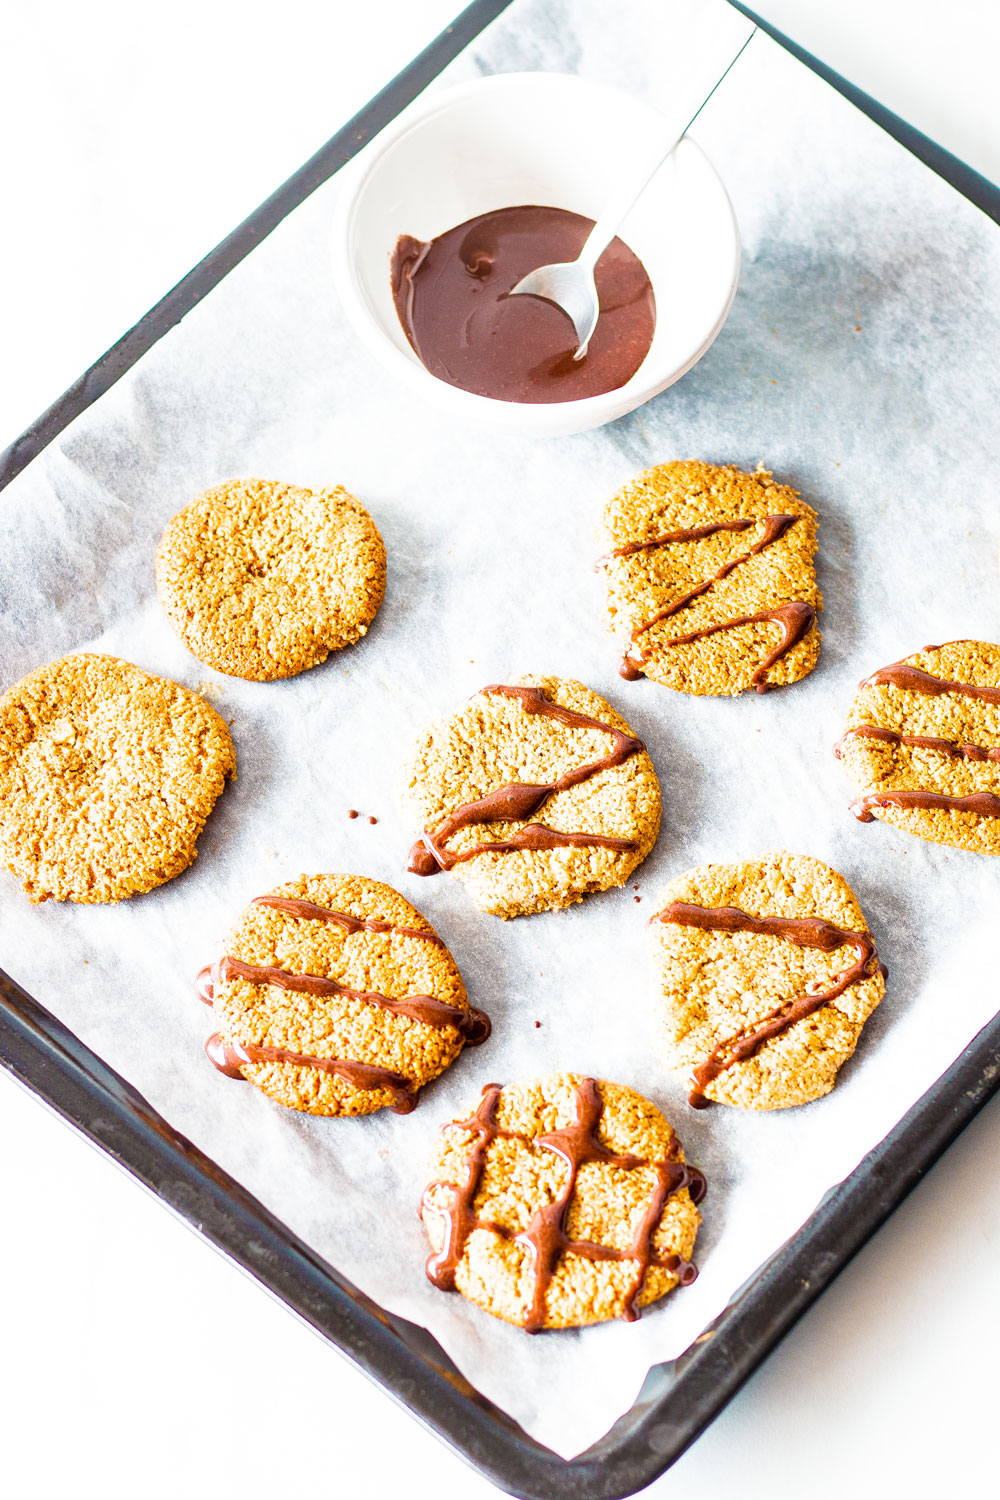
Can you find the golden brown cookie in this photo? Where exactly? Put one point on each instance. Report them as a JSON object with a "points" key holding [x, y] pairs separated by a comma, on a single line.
{"points": [[710, 577], [532, 794], [335, 996], [765, 974], [107, 775], [262, 580], [922, 745], [559, 1202]]}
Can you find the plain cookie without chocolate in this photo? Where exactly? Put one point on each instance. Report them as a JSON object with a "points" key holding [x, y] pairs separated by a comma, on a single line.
{"points": [[107, 776], [263, 580]]}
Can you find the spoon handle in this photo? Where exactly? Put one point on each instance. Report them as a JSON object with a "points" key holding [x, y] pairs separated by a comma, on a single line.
{"points": [[610, 222]]}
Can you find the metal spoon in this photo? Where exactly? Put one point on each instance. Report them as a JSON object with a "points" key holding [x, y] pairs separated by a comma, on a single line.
{"points": [[570, 283]]}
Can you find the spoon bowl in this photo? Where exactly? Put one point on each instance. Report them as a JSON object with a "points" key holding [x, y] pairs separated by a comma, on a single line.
{"points": [[534, 138]]}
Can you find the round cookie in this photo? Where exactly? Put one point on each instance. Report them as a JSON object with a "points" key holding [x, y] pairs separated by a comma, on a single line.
{"points": [[922, 745], [710, 578], [559, 1202], [336, 997], [765, 975], [262, 580], [533, 794], [107, 775]]}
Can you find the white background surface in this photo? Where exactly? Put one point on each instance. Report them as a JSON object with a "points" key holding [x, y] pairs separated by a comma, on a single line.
{"points": [[133, 1359]]}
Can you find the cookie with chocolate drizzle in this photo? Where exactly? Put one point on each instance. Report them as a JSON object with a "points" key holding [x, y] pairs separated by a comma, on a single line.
{"points": [[559, 1202], [710, 578], [922, 745], [334, 996], [765, 975], [534, 793]]}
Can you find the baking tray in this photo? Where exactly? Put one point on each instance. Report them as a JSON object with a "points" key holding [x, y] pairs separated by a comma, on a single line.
{"points": [[679, 1398]]}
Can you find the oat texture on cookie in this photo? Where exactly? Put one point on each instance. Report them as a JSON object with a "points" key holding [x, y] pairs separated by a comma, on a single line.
{"points": [[333, 995], [922, 745], [765, 973], [533, 794], [710, 579], [559, 1202], [107, 776], [262, 580]]}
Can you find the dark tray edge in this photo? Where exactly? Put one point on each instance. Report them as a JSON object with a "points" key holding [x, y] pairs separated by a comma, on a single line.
{"points": [[679, 1398]]}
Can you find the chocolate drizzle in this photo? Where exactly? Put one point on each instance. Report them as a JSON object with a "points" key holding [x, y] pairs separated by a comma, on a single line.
{"points": [[204, 984], [918, 742], [230, 1057], [914, 680], [546, 1238], [806, 932], [901, 674], [686, 534], [981, 804], [473, 1024], [519, 800], [795, 617], [298, 908]]}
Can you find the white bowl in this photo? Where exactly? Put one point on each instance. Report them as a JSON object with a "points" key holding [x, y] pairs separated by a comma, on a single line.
{"points": [[542, 138]]}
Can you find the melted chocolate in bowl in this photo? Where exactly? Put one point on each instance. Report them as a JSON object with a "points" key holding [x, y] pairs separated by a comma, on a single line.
{"points": [[451, 297]]}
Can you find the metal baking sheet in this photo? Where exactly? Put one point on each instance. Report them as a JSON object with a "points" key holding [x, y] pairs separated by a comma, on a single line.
{"points": [[678, 1399]]}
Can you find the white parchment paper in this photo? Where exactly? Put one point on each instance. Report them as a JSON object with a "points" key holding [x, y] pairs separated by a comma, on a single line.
{"points": [[860, 365]]}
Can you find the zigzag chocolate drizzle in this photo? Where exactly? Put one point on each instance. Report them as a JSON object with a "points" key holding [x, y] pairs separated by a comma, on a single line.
{"points": [[230, 1056], [546, 1238], [912, 679], [796, 617], [807, 932], [509, 804]]}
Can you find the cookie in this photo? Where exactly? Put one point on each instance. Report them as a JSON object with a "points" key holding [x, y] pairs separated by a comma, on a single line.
{"points": [[710, 576], [922, 745], [532, 794], [262, 580], [107, 775], [336, 997], [559, 1202], [765, 974]]}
